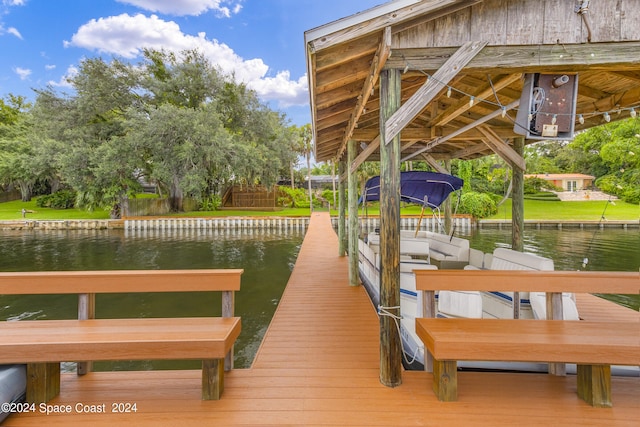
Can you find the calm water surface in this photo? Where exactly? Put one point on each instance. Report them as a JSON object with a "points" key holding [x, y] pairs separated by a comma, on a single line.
{"points": [[609, 249], [266, 257]]}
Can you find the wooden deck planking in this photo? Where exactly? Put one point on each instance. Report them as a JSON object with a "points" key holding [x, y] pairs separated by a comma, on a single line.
{"points": [[597, 309], [319, 365]]}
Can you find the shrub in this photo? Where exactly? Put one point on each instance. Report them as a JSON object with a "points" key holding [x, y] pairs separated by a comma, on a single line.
{"points": [[63, 199], [544, 196], [293, 197], [479, 205], [211, 203], [535, 185]]}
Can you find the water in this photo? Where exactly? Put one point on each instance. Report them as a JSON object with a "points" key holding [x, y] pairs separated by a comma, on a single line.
{"points": [[266, 257], [605, 249]]}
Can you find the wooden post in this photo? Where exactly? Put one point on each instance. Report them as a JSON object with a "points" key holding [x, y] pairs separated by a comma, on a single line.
{"points": [[517, 207], [428, 311], [390, 341], [555, 311], [212, 379], [228, 309], [342, 240], [86, 310], [353, 218], [517, 214], [43, 382], [447, 204]]}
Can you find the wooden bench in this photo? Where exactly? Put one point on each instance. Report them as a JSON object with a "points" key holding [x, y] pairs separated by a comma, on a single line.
{"points": [[43, 344], [593, 346]]}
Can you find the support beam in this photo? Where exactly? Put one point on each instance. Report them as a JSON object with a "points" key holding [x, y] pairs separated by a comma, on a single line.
{"points": [[503, 150], [435, 142], [517, 214], [463, 105], [611, 56], [353, 218], [372, 147], [414, 105], [517, 207], [342, 204], [390, 340], [434, 164], [447, 203], [379, 59]]}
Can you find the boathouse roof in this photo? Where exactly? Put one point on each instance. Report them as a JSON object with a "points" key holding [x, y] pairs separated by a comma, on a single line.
{"points": [[463, 68]]}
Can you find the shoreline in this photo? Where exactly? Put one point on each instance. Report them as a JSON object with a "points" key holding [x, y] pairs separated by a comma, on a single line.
{"points": [[275, 222]]}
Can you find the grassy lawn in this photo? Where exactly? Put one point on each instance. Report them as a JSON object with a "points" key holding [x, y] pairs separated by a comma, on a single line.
{"points": [[13, 211], [533, 209], [579, 210]]}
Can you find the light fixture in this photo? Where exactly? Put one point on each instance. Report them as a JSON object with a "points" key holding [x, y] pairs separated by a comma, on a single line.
{"points": [[607, 117], [633, 113], [581, 119]]}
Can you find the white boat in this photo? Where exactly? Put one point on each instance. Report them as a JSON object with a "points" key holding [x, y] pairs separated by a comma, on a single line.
{"points": [[463, 304]]}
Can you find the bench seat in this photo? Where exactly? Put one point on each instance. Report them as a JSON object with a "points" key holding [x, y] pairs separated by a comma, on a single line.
{"points": [[593, 346], [43, 344]]}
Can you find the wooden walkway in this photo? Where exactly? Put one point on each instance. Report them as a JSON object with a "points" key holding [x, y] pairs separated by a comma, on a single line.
{"points": [[319, 365]]}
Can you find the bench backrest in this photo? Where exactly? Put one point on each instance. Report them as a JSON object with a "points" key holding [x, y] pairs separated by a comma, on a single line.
{"points": [[614, 282], [118, 281]]}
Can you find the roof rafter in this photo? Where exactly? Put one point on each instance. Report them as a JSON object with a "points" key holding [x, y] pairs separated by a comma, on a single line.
{"points": [[423, 96], [379, 59], [502, 149]]}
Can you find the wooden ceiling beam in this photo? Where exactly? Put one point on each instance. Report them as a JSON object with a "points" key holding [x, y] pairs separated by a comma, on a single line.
{"points": [[423, 96], [379, 59], [441, 139], [483, 93], [618, 56], [502, 149], [434, 164]]}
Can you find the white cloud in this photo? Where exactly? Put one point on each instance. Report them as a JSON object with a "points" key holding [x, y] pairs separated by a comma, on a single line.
{"points": [[49, 67], [14, 2], [188, 7], [23, 73], [15, 32], [72, 71], [282, 89], [125, 35]]}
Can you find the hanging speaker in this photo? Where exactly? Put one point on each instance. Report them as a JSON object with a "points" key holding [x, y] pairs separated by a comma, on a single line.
{"points": [[547, 106]]}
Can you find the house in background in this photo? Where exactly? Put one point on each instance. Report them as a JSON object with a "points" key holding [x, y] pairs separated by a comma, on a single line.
{"points": [[567, 181]]}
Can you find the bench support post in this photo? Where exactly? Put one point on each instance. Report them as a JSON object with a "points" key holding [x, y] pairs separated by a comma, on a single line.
{"points": [[555, 312], [228, 306], [429, 310], [445, 380], [212, 379], [86, 310], [594, 385], [43, 382]]}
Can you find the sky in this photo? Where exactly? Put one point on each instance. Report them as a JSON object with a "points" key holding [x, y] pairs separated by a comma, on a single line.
{"points": [[260, 41]]}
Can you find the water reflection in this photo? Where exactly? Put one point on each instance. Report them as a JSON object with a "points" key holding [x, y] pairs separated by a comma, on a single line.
{"points": [[266, 256]]}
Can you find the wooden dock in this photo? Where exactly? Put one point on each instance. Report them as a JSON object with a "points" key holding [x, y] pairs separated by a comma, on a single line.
{"points": [[319, 365]]}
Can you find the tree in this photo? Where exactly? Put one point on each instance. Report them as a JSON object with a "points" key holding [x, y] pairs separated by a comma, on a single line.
{"points": [[184, 148], [18, 162], [85, 131], [612, 154]]}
